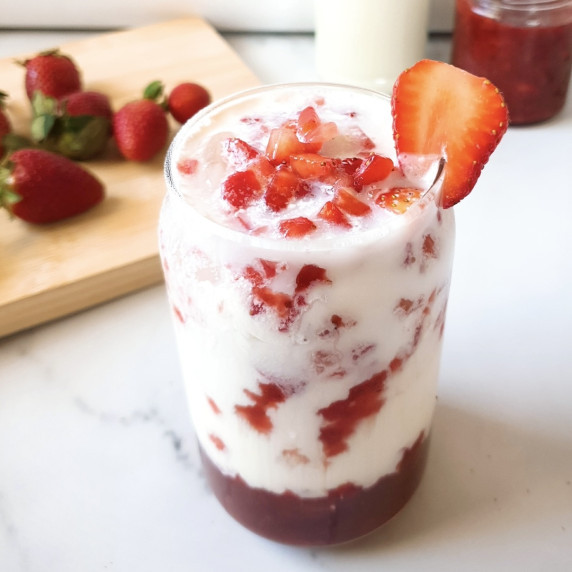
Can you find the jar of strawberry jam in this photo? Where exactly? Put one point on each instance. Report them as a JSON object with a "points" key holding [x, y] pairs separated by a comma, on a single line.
{"points": [[523, 46]]}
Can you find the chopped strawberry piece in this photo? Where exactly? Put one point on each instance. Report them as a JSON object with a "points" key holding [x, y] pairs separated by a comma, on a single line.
{"points": [[239, 152], [187, 166], [280, 302], [429, 248], [282, 188], [253, 276], [308, 121], [241, 188], [283, 142], [269, 267], [312, 166], [332, 214], [350, 165], [308, 274], [242, 156], [374, 169], [310, 128], [350, 204], [398, 199], [439, 109], [296, 227]]}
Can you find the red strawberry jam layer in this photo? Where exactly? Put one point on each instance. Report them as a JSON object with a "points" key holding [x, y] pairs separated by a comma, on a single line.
{"points": [[343, 514], [308, 295]]}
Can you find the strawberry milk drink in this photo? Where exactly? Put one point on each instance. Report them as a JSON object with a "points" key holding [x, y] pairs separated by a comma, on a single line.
{"points": [[307, 271]]}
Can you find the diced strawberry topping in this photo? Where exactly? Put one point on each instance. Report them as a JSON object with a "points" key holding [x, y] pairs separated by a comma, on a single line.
{"points": [[282, 189], [308, 121], [398, 199], [310, 128], [283, 142], [239, 152], [241, 188], [374, 169], [350, 165], [346, 200], [312, 166], [296, 227], [332, 214]]}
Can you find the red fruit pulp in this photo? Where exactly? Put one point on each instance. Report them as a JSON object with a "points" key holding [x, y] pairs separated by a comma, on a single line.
{"points": [[531, 65]]}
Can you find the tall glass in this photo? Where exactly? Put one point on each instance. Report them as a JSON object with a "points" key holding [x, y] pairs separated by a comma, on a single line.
{"points": [[311, 364]]}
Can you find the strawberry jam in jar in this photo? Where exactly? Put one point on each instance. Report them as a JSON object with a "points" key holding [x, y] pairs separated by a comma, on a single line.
{"points": [[308, 275], [524, 47]]}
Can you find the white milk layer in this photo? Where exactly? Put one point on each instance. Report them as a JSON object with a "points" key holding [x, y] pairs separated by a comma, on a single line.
{"points": [[266, 389]]}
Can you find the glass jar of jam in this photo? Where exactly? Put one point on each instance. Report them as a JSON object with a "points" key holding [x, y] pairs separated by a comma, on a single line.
{"points": [[524, 47]]}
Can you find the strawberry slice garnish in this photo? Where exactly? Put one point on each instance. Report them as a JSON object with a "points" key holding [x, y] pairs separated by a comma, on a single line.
{"points": [[439, 109]]}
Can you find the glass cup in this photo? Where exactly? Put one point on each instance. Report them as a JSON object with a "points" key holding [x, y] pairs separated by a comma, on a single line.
{"points": [[310, 365], [523, 46], [368, 43]]}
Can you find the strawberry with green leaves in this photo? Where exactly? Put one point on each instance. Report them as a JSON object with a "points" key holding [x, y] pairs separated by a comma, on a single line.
{"points": [[41, 187], [51, 73], [442, 110], [77, 126], [5, 124], [140, 127]]}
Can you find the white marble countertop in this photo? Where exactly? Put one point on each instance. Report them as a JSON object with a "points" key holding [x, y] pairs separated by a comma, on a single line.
{"points": [[98, 466]]}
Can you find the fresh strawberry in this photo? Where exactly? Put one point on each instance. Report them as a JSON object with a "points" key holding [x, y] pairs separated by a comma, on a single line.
{"points": [[51, 73], [5, 124], [374, 169], [140, 127], [92, 103], [296, 227], [398, 199], [241, 189], [42, 187], [186, 99], [77, 126], [441, 110]]}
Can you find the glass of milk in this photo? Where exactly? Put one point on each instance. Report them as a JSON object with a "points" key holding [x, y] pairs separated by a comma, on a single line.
{"points": [[369, 42]]}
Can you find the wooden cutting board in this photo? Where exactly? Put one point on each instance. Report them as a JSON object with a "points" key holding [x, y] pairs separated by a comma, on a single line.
{"points": [[52, 271]]}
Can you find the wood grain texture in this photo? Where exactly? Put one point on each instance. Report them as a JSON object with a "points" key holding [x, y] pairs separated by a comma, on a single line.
{"points": [[51, 271]]}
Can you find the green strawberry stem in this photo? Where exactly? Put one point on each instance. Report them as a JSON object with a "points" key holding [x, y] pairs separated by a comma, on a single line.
{"points": [[155, 91]]}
